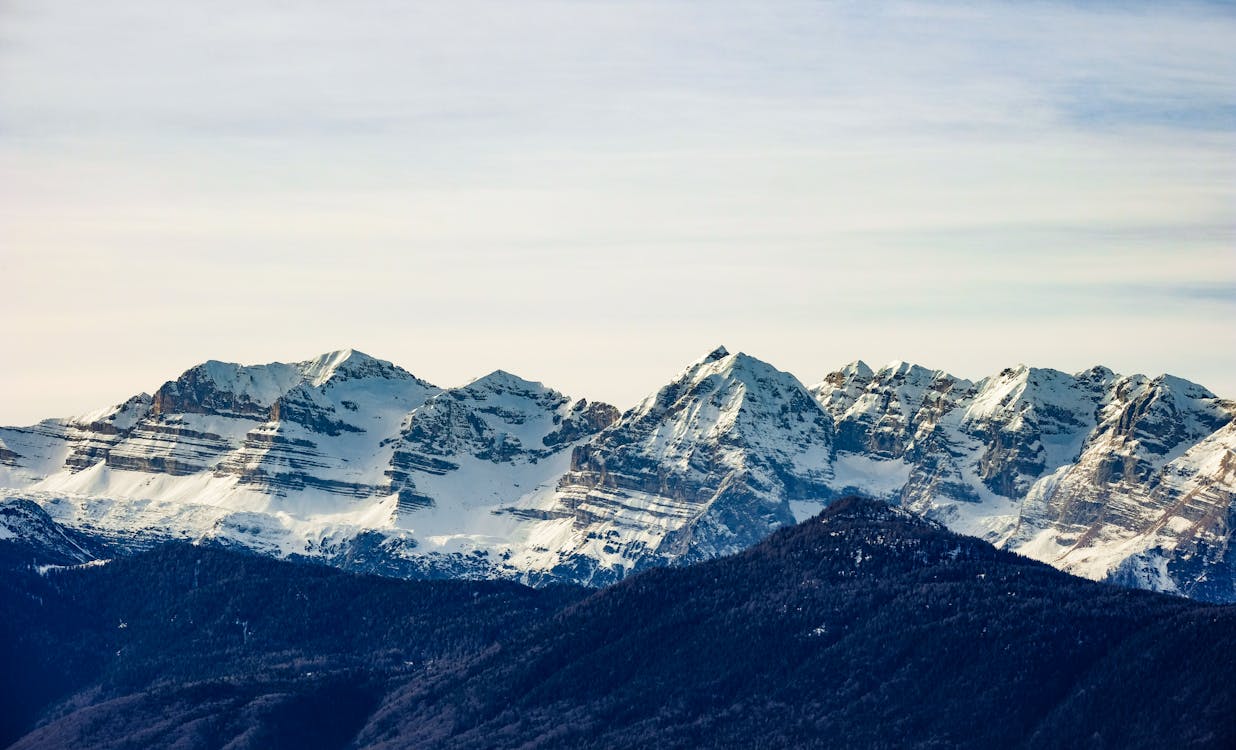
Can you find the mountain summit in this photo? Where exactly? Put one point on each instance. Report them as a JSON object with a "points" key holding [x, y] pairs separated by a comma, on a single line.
{"points": [[354, 461]]}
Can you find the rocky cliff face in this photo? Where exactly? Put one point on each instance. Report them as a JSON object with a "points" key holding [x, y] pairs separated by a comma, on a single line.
{"points": [[352, 460], [1150, 492], [708, 465], [488, 442], [345, 458], [1127, 477], [331, 430], [267, 429]]}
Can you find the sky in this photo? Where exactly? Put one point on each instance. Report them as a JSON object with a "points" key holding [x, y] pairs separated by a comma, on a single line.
{"points": [[593, 194]]}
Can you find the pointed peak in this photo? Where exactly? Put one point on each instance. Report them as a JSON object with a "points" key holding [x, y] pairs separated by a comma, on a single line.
{"points": [[504, 380], [1186, 388], [1095, 376], [857, 369], [339, 356], [125, 413], [721, 360], [739, 367], [857, 373], [717, 360], [1097, 371], [1043, 376], [347, 364], [900, 369]]}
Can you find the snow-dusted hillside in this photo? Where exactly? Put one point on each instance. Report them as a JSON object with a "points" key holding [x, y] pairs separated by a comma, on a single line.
{"points": [[29, 537], [354, 461]]}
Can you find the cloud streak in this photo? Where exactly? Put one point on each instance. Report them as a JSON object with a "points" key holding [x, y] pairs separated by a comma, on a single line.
{"points": [[1051, 182]]}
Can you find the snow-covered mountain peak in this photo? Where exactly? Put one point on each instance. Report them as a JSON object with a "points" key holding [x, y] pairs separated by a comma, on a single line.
{"points": [[901, 368], [722, 393], [716, 361], [501, 381], [1154, 417], [856, 370], [1018, 375], [265, 391], [887, 412], [1096, 374], [227, 388], [738, 367], [1185, 388], [349, 364], [709, 462], [320, 369], [1181, 393], [121, 416], [857, 386], [483, 445], [840, 389], [1021, 387], [907, 375], [251, 390]]}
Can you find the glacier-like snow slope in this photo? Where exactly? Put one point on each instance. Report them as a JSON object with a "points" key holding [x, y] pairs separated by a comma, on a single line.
{"points": [[352, 460]]}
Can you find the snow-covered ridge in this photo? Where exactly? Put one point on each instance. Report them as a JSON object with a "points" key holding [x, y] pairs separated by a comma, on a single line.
{"points": [[354, 460]]}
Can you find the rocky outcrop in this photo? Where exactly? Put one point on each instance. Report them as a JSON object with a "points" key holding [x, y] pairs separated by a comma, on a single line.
{"points": [[890, 412], [500, 420], [583, 420], [1154, 483], [1099, 474], [706, 466]]}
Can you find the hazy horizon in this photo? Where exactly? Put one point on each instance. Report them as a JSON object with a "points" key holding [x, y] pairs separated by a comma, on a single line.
{"points": [[593, 194]]}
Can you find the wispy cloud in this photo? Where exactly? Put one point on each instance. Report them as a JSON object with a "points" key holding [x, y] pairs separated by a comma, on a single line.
{"points": [[815, 181]]}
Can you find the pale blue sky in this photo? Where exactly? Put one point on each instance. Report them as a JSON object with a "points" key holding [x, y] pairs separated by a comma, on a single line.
{"points": [[593, 193]]}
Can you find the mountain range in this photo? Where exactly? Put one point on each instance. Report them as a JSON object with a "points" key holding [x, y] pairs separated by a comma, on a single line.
{"points": [[352, 461]]}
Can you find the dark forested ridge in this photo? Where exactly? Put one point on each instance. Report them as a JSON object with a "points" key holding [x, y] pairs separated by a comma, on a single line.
{"points": [[205, 645], [864, 628]]}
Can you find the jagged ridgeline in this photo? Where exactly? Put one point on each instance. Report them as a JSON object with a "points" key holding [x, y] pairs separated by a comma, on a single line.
{"points": [[355, 462]]}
